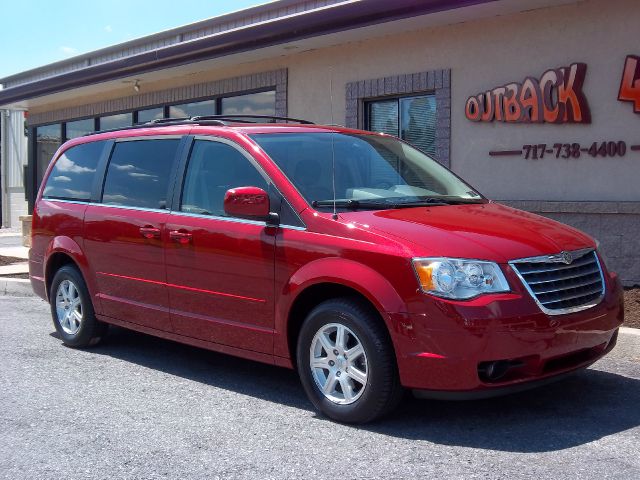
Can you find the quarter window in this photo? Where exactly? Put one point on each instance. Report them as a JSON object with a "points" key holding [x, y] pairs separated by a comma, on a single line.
{"points": [[138, 173], [411, 118], [213, 169], [73, 173]]}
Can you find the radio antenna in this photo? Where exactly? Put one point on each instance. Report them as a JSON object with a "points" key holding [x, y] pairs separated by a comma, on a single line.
{"points": [[333, 151]]}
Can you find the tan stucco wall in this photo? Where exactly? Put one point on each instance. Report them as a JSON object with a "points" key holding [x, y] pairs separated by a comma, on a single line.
{"points": [[482, 55]]}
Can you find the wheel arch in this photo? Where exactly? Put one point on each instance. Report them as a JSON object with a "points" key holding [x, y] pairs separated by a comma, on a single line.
{"points": [[64, 251], [332, 278]]}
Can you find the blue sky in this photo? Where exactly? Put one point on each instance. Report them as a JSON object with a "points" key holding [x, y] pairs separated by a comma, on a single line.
{"points": [[37, 32]]}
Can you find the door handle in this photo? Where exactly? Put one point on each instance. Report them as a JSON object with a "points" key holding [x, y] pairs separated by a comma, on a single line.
{"points": [[150, 232], [180, 237]]}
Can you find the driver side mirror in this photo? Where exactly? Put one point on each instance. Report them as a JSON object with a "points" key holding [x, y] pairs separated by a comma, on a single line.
{"points": [[247, 202]]}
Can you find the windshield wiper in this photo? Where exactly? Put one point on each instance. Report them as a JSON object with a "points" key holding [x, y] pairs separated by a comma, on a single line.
{"points": [[389, 203], [351, 204], [443, 201]]}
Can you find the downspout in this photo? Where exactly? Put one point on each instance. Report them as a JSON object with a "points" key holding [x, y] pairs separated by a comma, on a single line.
{"points": [[4, 117]]}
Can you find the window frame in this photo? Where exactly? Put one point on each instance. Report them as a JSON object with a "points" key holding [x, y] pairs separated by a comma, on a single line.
{"points": [[398, 98], [181, 175], [106, 149], [102, 175]]}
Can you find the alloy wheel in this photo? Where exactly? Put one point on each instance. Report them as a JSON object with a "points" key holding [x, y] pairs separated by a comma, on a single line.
{"points": [[338, 363]]}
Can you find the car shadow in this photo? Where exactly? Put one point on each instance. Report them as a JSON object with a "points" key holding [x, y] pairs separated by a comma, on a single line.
{"points": [[580, 409]]}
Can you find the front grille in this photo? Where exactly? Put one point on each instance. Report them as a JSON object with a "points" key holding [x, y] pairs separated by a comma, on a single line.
{"points": [[559, 287]]}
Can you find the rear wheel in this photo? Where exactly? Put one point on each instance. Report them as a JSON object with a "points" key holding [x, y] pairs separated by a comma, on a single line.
{"points": [[72, 311], [346, 362]]}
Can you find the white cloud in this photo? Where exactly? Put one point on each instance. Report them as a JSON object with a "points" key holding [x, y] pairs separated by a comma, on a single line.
{"points": [[64, 164], [62, 178], [124, 168], [108, 29], [69, 50]]}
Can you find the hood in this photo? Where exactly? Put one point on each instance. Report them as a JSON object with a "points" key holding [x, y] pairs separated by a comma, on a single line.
{"points": [[487, 231]]}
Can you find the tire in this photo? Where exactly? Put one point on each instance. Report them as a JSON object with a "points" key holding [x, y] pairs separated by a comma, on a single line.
{"points": [[76, 324], [352, 397]]}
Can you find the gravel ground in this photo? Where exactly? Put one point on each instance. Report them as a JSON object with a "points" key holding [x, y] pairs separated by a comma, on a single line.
{"points": [[141, 407], [632, 307]]}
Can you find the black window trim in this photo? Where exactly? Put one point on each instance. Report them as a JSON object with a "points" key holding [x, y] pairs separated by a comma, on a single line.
{"points": [[271, 187], [369, 100], [172, 175], [96, 178]]}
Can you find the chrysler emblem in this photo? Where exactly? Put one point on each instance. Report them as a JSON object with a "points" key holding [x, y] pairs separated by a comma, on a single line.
{"points": [[566, 257]]}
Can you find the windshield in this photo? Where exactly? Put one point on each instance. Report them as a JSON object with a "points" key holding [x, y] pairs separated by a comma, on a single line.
{"points": [[371, 171]]}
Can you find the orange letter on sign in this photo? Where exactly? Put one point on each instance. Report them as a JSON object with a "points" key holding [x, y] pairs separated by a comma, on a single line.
{"points": [[630, 84], [570, 94]]}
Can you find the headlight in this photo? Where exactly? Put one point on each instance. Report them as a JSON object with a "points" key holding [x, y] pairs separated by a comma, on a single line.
{"points": [[457, 278]]}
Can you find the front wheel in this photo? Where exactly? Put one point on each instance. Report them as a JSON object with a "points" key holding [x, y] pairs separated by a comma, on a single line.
{"points": [[346, 362]]}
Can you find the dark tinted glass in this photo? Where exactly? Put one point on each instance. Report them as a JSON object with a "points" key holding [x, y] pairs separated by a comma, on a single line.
{"points": [[367, 167], [79, 128], [138, 173], [73, 173], [213, 169], [411, 118], [208, 107], [383, 117], [418, 122], [120, 120], [150, 114], [48, 139], [262, 103]]}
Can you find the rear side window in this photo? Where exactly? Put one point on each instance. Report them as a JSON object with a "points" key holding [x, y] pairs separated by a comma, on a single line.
{"points": [[73, 173], [213, 169], [138, 173]]}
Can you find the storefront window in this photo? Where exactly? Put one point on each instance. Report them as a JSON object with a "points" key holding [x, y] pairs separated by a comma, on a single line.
{"points": [[150, 114], [208, 107], [263, 103], [411, 118], [48, 139], [116, 121], [79, 128]]}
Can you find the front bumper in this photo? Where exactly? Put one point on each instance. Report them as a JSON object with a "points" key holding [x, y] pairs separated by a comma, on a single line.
{"points": [[446, 350]]}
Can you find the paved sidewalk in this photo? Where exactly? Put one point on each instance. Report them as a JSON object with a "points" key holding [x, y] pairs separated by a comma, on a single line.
{"points": [[11, 246]]}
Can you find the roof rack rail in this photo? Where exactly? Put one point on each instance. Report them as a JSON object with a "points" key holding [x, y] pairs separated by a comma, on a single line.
{"points": [[247, 118], [215, 120], [162, 122]]}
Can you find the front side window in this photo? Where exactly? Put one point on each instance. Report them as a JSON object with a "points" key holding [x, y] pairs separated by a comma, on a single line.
{"points": [[213, 169], [411, 118], [73, 173], [138, 173], [370, 170]]}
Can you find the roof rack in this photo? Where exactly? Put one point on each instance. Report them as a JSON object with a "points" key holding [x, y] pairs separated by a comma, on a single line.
{"points": [[214, 120], [247, 118]]}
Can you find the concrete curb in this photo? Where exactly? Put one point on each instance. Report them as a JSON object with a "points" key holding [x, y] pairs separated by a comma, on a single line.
{"points": [[15, 287], [630, 330]]}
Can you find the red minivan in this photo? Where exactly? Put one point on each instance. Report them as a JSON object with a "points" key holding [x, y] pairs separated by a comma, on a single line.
{"points": [[347, 255]]}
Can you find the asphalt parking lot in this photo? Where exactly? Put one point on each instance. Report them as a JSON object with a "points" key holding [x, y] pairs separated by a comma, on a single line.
{"points": [[143, 408]]}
